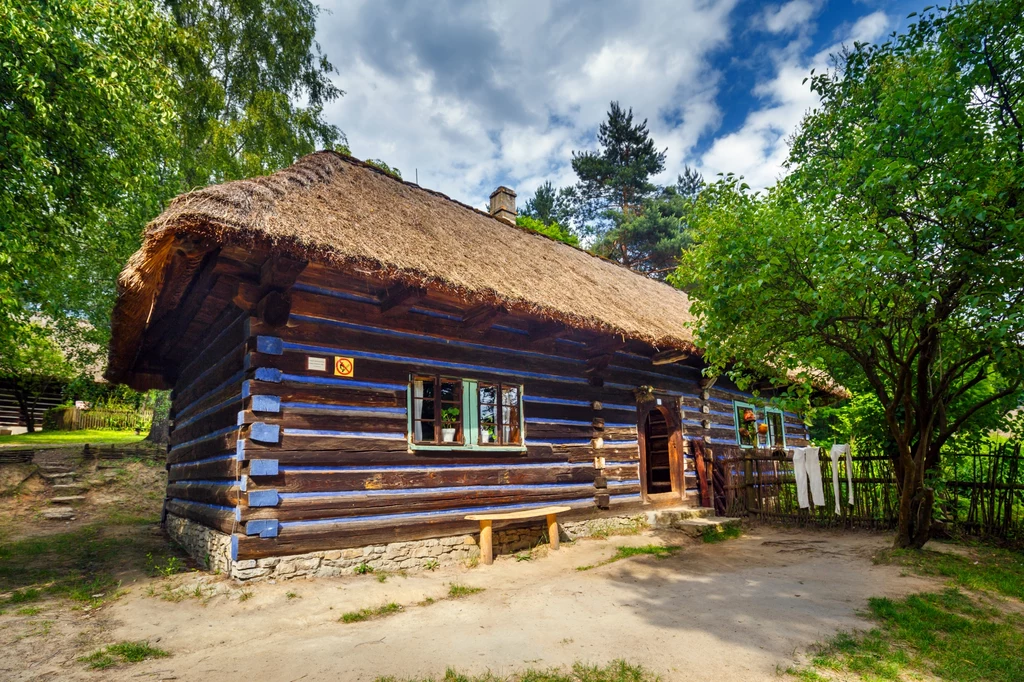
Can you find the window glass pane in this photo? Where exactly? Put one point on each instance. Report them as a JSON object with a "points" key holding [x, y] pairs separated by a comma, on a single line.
{"points": [[776, 429], [510, 396], [488, 394], [743, 428], [451, 410], [423, 410]]}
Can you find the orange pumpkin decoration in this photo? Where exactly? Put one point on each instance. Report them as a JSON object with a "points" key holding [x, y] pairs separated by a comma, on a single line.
{"points": [[748, 415], [762, 429]]}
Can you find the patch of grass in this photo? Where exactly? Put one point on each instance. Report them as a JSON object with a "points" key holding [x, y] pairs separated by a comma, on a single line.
{"points": [[658, 551], [431, 564], [616, 671], [293, 595], [363, 569], [29, 611], [523, 556], [988, 569], [366, 614], [427, 602], [90, 436], [457, 591], [164, 566], [382, 577], [22, 596], [245, 595], [714, 534], [946, 635], [124, 652], [79, 565]]}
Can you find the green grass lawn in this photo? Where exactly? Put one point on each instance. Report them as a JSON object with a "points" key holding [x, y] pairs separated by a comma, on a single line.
{"points": [[971, 630], [90, 436]]}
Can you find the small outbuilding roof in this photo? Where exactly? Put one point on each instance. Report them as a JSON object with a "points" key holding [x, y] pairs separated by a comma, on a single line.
{"points": [[338, 211]]}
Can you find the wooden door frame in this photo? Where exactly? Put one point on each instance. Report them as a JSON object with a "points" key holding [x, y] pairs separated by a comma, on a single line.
{"points": [[669, 409]]}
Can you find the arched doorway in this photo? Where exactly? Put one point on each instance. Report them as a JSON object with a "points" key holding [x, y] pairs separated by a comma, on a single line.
{"points": [[659, 466], [660, 436]]}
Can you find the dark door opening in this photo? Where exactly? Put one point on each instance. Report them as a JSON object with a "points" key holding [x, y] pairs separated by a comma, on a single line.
{"points": [[659, 471]]}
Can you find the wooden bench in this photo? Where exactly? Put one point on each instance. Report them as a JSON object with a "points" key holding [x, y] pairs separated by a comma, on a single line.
{"points": [[486, 537]]}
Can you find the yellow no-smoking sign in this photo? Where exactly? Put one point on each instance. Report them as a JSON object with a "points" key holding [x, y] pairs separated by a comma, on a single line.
{"points": [[344, 367]]}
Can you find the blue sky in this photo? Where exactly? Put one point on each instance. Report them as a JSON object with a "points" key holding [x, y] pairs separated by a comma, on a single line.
{"points": [[473, 95]]}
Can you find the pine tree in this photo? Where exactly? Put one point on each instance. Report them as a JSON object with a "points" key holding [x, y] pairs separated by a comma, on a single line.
{"points": [[618, 176]]}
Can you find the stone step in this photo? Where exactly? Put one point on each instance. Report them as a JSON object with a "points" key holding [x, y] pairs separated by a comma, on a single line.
{"points": [[696, 527], [70, 488], [59, 514], [669, 517], [68, 499], [64, 477]]}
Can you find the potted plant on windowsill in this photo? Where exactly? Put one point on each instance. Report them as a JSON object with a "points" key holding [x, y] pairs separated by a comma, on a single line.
{"points": [[486, 434], [449, 420]]}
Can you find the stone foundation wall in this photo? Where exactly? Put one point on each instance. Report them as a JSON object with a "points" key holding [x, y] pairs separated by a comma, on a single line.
{"points": [[212, 549], [209, 547]]}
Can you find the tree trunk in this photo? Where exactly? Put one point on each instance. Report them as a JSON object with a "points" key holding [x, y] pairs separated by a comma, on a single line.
{"points": [[25, 410], [159, 431], [916, 503]]}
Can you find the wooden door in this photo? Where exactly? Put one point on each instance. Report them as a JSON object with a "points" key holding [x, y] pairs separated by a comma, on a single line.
{"points": [[659, 432]]}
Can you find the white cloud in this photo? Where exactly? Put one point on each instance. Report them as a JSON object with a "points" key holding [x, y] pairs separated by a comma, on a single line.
{"points": [[476, 95], [759, 147], [788, 17]]}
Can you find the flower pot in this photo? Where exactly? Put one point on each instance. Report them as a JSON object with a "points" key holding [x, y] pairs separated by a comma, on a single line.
{"points": [[448, 435], [485, 436]]}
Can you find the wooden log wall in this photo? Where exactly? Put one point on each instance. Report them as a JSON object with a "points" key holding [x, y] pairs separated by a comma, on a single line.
{"points": [[290, 459]]}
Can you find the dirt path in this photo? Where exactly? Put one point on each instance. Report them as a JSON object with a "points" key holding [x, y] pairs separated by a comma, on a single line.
{"points": [[738, 610]]}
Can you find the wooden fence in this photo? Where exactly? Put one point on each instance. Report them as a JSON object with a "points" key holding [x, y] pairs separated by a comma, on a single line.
{"points": [[982, 494], [77, 419]]}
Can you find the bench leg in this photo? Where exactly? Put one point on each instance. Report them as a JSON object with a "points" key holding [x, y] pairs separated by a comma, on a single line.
{"points": [[486, 547], [553, 531]]}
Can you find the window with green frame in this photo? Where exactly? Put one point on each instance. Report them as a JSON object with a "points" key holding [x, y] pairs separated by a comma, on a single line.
{"points": [[466, 414], [773, 416], [745, 431]]}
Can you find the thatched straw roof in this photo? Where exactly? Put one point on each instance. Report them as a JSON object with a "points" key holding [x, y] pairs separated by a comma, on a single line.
{"points": [[336, 210]]}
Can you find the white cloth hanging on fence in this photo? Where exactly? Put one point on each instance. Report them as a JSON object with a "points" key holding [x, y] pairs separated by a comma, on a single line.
{"points": [[836, 453], [807, 469]]}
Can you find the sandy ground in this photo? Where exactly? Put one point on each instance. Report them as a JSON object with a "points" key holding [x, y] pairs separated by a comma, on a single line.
{"points": [[744, 609]]}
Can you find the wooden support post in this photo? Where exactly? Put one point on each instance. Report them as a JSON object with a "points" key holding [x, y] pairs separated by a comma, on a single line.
{"points": [[748, 481], [553, 530], [486, 543]]}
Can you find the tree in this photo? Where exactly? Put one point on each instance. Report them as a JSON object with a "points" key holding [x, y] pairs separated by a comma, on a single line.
{"points": [[553, 229], [32, 366], [651, 240], [109, 108], [88, 119], [891, 256], [243, 67], [542, 205], [618, 176]]}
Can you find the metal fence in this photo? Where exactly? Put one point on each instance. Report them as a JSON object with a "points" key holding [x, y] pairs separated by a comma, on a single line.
{"points": [[980, 494]]}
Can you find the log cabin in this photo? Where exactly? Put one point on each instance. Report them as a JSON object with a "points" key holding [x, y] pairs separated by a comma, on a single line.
{"points": [[358, 363]]}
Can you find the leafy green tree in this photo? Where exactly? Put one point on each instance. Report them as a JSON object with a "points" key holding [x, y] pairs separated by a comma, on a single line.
{"points": [[110, 107], [32, 366], [87, 110], [553, 229], [243, 67], [891, 256]]}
